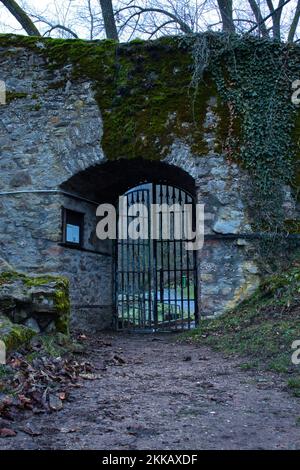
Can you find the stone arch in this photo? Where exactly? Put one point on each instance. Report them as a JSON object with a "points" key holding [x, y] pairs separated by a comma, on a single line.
{"points": [[92, 274], [226, 273]]}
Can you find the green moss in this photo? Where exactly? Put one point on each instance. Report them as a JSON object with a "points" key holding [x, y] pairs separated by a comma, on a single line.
{"points": [[12, 95], [292, 226], [143, 91], [14, 335], [62, 304], [294, 385], [61, 294]]}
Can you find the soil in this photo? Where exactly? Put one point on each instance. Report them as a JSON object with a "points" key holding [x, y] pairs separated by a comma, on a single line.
{"points": [[149, 392]]}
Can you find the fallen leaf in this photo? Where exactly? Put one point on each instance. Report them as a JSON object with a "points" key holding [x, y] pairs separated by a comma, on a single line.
{"points": [[6, 432]]}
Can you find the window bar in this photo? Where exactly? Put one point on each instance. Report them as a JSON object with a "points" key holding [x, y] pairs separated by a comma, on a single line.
{"points": [[155, 252], [195, 276], [127, 266]]}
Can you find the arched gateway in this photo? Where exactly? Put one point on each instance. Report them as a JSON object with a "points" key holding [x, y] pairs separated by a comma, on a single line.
{"points": [[154, 281], [83, 125]]}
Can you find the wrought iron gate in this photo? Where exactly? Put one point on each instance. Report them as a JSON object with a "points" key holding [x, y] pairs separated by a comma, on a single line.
{"points": [[156, 279]]}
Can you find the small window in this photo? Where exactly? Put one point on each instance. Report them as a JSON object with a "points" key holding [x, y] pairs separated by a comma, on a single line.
{"points": [[73, 227]]}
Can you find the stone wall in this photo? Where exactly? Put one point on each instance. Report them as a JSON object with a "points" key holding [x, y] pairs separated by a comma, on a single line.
{"points": [[49, 132], [46, 136]]}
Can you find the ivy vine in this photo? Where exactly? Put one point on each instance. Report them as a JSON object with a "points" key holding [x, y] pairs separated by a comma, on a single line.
{"points": [[254, 77]]}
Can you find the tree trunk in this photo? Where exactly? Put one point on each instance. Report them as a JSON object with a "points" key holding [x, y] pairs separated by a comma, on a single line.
{"points": [[21, 17], [259, 18], [226, 12], [276, 17], [109, 20], [294, 24]]}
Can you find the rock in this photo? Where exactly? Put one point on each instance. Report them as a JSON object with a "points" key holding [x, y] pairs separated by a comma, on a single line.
{"points": [[14, 335], [251, 267], [50, 328], [55, 403], [22, 295], [22, 178], [228, 222], [33, 325], [4, 266]]}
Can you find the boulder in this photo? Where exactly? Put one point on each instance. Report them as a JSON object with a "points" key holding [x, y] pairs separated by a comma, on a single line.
{"points": [[14, 335], [35, 300]]}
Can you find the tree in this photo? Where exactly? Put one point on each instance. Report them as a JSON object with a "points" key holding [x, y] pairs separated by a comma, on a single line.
{"points": [[226, 12], [109, 19], [294, 23], [262, 29], [147, 19], [22, 17]]}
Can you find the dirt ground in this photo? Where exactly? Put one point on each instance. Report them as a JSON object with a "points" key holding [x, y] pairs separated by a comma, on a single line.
{"points": [[152, 393]]}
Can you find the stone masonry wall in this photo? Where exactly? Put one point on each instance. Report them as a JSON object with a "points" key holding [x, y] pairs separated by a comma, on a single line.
{"points": [[47, 135]]}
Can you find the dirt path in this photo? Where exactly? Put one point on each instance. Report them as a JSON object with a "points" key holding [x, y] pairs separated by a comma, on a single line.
{"points": [[167, 396]]}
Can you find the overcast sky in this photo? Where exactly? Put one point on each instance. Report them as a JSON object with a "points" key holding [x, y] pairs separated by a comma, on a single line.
{"points": [[74, 13]]}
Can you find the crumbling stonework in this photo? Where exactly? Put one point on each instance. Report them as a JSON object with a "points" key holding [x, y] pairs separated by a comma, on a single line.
{"points": [[50, 131], [39, 303]]}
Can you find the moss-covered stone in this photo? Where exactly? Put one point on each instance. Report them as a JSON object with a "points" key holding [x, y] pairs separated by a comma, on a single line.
{"points": [[36, 295], [11, 96], [143, 90], [13, 335]]}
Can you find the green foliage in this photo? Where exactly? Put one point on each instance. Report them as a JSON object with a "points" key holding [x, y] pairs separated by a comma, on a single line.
{"points": [[11, 96], [263, 328], [61, 294], [143, 91], [254, 76], [13, 335], [294, 385], [151, 93]]}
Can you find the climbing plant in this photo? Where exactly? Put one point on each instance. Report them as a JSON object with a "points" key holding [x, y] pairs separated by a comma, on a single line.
{"points": [[152, 93], [254, 79]]}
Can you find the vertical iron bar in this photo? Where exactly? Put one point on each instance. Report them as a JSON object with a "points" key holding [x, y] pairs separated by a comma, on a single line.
{"points": [[188, 275], [181, 262], [154, 244], [175, 262], [168, 262]]}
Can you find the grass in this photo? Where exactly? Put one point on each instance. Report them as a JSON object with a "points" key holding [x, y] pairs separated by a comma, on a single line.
{"points": [[294, 386], [262, 329]]}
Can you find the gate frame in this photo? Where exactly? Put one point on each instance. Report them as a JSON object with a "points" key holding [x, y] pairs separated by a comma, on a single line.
{"points": [[156, 329]]}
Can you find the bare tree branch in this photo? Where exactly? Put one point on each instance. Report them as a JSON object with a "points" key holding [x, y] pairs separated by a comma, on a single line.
{"points": [[259, 18], [22, 17], [64, 28], [294, 24], [183, 26]]}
